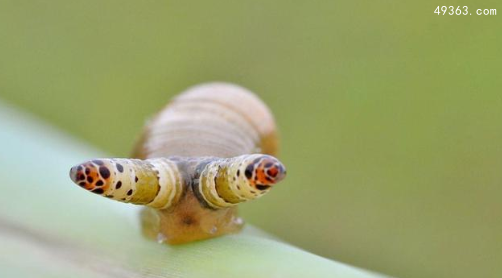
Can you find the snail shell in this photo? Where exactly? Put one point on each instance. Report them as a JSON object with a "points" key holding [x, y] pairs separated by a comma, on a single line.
{"points": [[216, 119], [208, 150]]}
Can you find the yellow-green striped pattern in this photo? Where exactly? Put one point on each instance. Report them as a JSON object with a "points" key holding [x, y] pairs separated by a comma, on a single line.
{"points": [[229, 181], [154, 182]]}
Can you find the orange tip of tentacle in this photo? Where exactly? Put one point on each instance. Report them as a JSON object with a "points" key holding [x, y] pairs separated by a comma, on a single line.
{"points": [[265, 171], [91, 175]]}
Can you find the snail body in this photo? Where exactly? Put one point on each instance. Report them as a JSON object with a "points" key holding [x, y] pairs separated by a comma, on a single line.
{"points": [[207, 151]]}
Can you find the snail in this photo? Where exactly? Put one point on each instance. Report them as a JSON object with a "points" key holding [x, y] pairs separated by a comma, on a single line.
{"points": [[211, 148]]}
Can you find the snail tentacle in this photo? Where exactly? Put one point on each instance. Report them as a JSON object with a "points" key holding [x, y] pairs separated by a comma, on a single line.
{"points": [[227, 182], [156, 183], [159, 182]]}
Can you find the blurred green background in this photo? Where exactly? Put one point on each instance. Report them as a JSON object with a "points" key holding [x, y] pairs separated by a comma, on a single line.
{"points": [[390, 115]]}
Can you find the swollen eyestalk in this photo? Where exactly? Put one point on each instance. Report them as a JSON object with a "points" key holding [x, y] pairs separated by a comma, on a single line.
{"points": [[160, 182]]}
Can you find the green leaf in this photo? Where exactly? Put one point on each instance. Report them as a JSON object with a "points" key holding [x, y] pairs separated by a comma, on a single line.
{"points": [[51, 228]]}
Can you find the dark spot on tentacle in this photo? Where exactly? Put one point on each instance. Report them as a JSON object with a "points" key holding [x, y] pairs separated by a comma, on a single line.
{"points": [[238, 172], [82, 184], [80, 168], [262, 186], [120, 168], [87, 171], [104, 172], [90, 179], [118, 185], [98, 162], [80, 176], [98, 191], [136, 179], [249, 171], [256, 160], [269, 179], [268, 165], [99, 183], [129, 193]]}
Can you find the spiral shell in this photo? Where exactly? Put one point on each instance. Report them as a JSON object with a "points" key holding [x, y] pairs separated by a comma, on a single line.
{"points": [[215, 119], [208, 150]]}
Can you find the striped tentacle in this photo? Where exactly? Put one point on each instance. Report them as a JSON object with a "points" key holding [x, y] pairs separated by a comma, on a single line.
{"points": [[154, 182], [227, 182]]}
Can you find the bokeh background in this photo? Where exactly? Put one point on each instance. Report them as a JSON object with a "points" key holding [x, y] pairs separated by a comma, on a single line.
{"points": [[390, 115]]}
